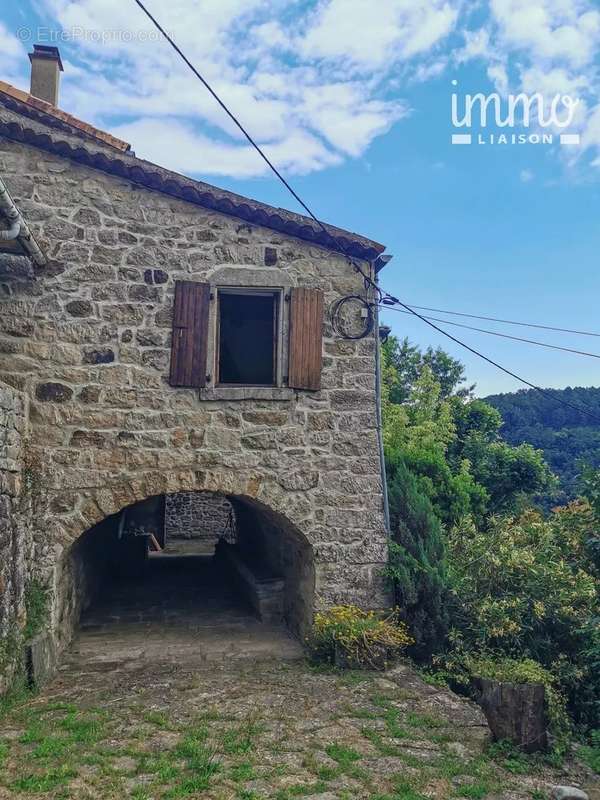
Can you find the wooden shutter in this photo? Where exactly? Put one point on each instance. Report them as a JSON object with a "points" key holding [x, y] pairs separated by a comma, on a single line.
{"points": [[306, 338], [190, 334]]}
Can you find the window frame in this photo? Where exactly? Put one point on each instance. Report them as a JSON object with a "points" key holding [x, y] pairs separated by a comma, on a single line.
{"points": [[278, 294]]}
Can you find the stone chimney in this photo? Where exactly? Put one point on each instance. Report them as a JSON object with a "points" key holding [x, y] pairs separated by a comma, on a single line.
{"points": [[46, 67]]}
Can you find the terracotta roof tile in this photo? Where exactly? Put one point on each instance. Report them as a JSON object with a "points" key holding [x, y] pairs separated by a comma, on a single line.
{"points": [[63, 116]]}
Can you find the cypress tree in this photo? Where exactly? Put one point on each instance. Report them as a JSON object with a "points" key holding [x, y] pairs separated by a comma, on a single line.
{"points": [[417, 560]]}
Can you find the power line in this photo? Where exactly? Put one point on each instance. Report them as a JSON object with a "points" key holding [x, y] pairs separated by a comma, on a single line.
{"points": [[544, 392], [232, 116], [497, 333], [368, 281], [388, 299], [506, 321]]}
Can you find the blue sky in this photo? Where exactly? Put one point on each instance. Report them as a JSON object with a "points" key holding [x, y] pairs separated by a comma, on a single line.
{"points": [[352, 101]]}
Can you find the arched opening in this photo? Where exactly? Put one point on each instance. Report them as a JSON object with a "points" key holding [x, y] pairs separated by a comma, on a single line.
{"points": [[223, 574]]}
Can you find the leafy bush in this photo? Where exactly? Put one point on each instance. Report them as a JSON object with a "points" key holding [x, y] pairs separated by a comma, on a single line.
{"points": [[361, 637], [520, 586], [525, 587], [590, 753]]}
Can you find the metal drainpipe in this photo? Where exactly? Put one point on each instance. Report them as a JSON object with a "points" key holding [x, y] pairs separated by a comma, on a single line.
{"points": [[18, 227], [386, 507]]}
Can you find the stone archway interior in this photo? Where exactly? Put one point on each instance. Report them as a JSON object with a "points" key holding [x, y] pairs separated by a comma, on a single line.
{"points": [[253, 566]]}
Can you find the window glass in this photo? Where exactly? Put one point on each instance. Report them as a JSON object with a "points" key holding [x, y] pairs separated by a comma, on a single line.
{"points": [[247, 338]]}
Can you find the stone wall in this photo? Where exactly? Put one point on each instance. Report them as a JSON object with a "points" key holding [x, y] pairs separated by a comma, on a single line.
{"points": [[274, 548], [198, 515], [88, 344], [86, 570], [14, 531]]}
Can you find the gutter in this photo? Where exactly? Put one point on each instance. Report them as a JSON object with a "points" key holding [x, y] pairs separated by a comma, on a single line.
{"points": [[18, 229]]}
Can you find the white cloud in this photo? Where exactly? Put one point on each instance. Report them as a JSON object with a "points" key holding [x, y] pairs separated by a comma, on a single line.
{"points": [[426, 72], [498, 75], [264, 67], [590, 137], [367, 36], [315, 82], [477, 45], [12, 57], [565, 30], [180, 147], [526, 175]]}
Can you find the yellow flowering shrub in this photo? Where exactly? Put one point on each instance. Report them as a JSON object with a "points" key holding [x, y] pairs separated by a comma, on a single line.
{"points": [[349, 635]]}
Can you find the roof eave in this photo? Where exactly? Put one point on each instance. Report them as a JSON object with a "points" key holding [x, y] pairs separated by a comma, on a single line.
{"points": [[18, 127]]}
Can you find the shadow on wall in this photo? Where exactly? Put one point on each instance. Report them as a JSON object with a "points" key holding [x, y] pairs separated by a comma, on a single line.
{"points": [[269, 554]]}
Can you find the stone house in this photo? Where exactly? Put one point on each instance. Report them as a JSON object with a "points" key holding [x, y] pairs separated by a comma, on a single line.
{"points": [[158, 337]]}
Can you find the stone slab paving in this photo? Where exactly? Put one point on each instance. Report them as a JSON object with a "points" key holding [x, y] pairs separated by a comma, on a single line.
{"points": [[158, 725], [181, 607]]}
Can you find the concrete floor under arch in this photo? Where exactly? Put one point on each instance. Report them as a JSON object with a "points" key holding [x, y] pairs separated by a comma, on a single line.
{"points": [[183, 609]]}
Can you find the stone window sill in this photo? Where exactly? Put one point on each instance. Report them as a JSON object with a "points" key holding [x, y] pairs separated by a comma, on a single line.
{"points": [[246, 393]]}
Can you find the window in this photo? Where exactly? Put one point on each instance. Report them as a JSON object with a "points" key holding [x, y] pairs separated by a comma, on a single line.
{"points": [[247, 337], [241, 333]]}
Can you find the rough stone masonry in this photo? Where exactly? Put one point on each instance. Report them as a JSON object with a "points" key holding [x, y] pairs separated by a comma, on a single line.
{"points": [[86, 345], [204, 516]]}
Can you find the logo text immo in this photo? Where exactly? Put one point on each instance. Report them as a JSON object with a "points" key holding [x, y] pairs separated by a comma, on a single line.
{"points": [[515, 109]]}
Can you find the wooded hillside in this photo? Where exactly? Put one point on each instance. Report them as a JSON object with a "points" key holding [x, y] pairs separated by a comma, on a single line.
{"points": [[567, 437]]}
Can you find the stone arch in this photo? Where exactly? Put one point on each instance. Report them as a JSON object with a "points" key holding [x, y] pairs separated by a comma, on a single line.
{"points": [[266, 538], [69, 512]]}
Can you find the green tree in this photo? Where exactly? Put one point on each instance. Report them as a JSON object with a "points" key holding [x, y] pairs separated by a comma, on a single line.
{"points": [[407, 361], [567, 436], [417, 560], [511, 475]]}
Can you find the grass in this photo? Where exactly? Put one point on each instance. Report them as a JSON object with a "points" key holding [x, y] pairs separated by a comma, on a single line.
{"points": [[360, 713], [242, 739], [377, 740], [242, 772], [590, 754], [222, 753], [512, 759], [139, 793], [474, 791], [301, 790], [403, 789], [81, 729], [49, 747], [392, 723], [345, 756], [157, 718], [423, 721], [188, 786], [45, 781]]}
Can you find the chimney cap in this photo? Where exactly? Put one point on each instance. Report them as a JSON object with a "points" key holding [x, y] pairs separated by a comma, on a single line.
{"points": [[48, 52]]}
